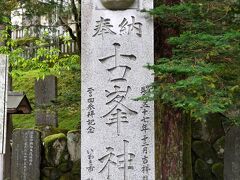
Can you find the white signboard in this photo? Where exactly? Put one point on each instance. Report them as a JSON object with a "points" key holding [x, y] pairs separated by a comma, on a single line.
{"points": [[3, 101], [117, 131]]}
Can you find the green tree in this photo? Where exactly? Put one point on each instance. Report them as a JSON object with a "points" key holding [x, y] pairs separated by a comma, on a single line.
{"points": [[62, 13], [45, 57], [202, 75]]}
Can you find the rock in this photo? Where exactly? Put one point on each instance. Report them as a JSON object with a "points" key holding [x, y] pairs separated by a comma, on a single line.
{"points": [[76, 177], [50, 130], [66, 166], [197, 132], [66, 177], [50, 173], [232, 154], [69, 176], [202, 170], [46, 171], [219, 147], [204, 151], [44, 178], [55, 174], [55, 147], [217, 170], [76, 168], [215, 126], [74, 145], [26, 154]]}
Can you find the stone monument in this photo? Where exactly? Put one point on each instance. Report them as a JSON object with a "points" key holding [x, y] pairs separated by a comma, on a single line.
{"points": [[3, 109], [3, 101], [46, 93], [26, 155], [117, 130], [232, 154]]}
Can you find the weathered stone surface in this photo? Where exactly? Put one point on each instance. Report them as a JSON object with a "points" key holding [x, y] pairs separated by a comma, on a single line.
{"points": [[46, 171], [217, 170], [3, 101], [197, 130], [1, 166], [232, 154], [66, 166], [69, 176], [8, 152], [200, 131], [76, 168], [219, 147], [55, 149], [202, 170], [215, 126], [45, 94], [117, 131], [26, 155], [74, 145], [204, 151], [55, 174], [50, 130]]}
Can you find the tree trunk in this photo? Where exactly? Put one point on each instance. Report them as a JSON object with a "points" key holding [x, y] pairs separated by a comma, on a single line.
{"points": [[173, 129], [169, 143]]}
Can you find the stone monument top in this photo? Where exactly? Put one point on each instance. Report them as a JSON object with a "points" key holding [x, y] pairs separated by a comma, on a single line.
{"points": [[117, 4]]}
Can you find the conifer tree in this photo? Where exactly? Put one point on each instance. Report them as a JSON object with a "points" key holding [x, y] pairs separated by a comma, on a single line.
{"points": [[202, 75]]}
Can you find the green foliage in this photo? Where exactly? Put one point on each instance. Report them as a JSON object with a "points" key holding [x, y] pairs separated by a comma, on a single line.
{"points": [[37, 58], [5, 9], [202, 76]]}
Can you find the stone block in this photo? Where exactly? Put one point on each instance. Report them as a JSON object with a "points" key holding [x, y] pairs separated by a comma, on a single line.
{"points": [[232, 154], [26, 155], [74, 145], [219, 147], [217, 170], [204, 151], [45, 94], [55, 149], [202, 170]]}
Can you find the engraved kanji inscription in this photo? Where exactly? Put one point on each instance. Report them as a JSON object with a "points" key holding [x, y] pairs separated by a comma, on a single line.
{"points": [[103, 27], [127, 27], [109, 162], [91, 112], [145, 127], [122, 161], [90, 167], [115, 64], [119, 112]]}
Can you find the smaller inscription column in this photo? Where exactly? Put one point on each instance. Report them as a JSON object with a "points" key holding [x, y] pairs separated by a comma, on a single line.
{"points": [[26, 155], [3, 101], [3, 110]]}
